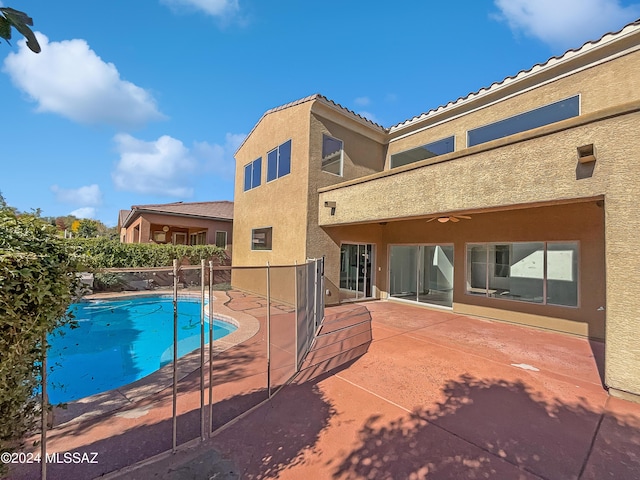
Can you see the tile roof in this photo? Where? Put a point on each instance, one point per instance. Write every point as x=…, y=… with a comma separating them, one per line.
x=590, y=45
x=222, y=210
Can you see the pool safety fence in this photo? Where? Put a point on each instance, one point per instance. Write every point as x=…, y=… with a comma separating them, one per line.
x=203, y=383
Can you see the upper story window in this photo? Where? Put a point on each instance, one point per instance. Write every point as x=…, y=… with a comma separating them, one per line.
x=433, y=149
x=252, y=174
x=539, y=117
x=279, y=161
x=331, y=155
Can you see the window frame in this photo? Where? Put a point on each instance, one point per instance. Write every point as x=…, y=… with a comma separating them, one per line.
x=268, y=239
x=545, y=278
x=278, y=173
x=521, y=115
x=424, y=147
x=252, y=174
x=341, y=160
x=226, y=236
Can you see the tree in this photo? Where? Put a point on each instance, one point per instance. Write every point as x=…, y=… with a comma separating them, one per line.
x=20, y=21
x=87, y=228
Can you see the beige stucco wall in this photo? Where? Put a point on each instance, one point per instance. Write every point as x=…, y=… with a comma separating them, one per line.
x=531, y=170
x=280, y=204
x=600, y=85
x=364, y=153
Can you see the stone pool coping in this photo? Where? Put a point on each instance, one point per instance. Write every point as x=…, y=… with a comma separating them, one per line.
x=105, y=402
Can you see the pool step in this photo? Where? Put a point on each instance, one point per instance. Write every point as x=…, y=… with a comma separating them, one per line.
x=344, y=336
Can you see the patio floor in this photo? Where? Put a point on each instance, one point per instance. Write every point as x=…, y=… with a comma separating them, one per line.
x=437, y=395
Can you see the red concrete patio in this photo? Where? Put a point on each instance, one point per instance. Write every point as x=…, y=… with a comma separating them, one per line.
x=437, y=395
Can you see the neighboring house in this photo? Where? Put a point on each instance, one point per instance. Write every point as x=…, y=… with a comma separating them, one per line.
x=180, y=223
x=518, y=202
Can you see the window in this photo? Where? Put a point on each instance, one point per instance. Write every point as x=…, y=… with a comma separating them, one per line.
x=279, y=161
x=331, y=155
x=261, y=239
x=433, y=149
x=546, y=115
x=221, y=240
x=159, y=237
x=252, y=174
x=536, y=272
x=198, y=238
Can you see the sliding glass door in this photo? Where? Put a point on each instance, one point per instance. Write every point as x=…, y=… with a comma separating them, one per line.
x=422, y=273
x=356, y=271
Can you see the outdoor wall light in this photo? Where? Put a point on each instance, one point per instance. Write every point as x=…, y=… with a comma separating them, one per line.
x=330, y=204
x=587, y=153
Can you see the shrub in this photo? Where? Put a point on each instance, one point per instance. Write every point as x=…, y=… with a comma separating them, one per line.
x=37, y=281
x=97, y=253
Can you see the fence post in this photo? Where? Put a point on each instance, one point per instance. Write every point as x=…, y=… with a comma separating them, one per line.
x=174, y=443
x=202, y=347
x=43, y=432
x=210, y=429
x=295, y=305
x=315, y=296
x=268, y=331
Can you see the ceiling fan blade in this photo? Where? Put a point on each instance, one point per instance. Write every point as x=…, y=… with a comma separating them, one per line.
x=464, y=217
x=432, y=219
x=454, y=219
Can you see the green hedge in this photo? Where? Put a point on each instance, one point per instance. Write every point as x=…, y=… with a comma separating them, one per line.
x=37, y=281
x=96, y=253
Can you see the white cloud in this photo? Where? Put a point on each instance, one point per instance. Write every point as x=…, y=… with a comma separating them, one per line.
x=362, y=101
x=215, y=8
x=566, y=23
x=84, y=212
x=88, y=195
x=69, y=79
x=219, y=158
x=164, y=166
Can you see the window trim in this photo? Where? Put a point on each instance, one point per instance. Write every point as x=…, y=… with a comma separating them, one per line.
x=226, y=236
x=578, y=96
x=544, y=303
x=252, y=164
x=341, y=174
x=453, y=137
x=277, y=150
x=270, y=246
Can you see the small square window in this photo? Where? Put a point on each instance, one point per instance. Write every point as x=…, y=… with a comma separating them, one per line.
x=221, y=240
x=261, y=238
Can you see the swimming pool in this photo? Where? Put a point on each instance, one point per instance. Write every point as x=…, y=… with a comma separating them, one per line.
x=120, y=341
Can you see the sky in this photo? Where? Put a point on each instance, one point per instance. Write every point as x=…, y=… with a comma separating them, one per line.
x=146, y=101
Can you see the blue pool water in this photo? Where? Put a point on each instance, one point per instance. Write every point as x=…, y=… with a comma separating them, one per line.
x=120, y=341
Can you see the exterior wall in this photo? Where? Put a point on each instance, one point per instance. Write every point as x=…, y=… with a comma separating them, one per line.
x=280, y=204
x=150, y=222
x=533, y=168
x=603, y=85
x=363, y=154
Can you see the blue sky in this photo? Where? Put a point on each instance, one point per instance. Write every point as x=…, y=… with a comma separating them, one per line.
x=145, y=101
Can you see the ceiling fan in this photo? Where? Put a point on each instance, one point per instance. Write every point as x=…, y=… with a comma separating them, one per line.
x=449, y=218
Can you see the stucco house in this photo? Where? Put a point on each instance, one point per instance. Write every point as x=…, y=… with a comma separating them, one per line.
x=180, y=223
x=517, y=202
